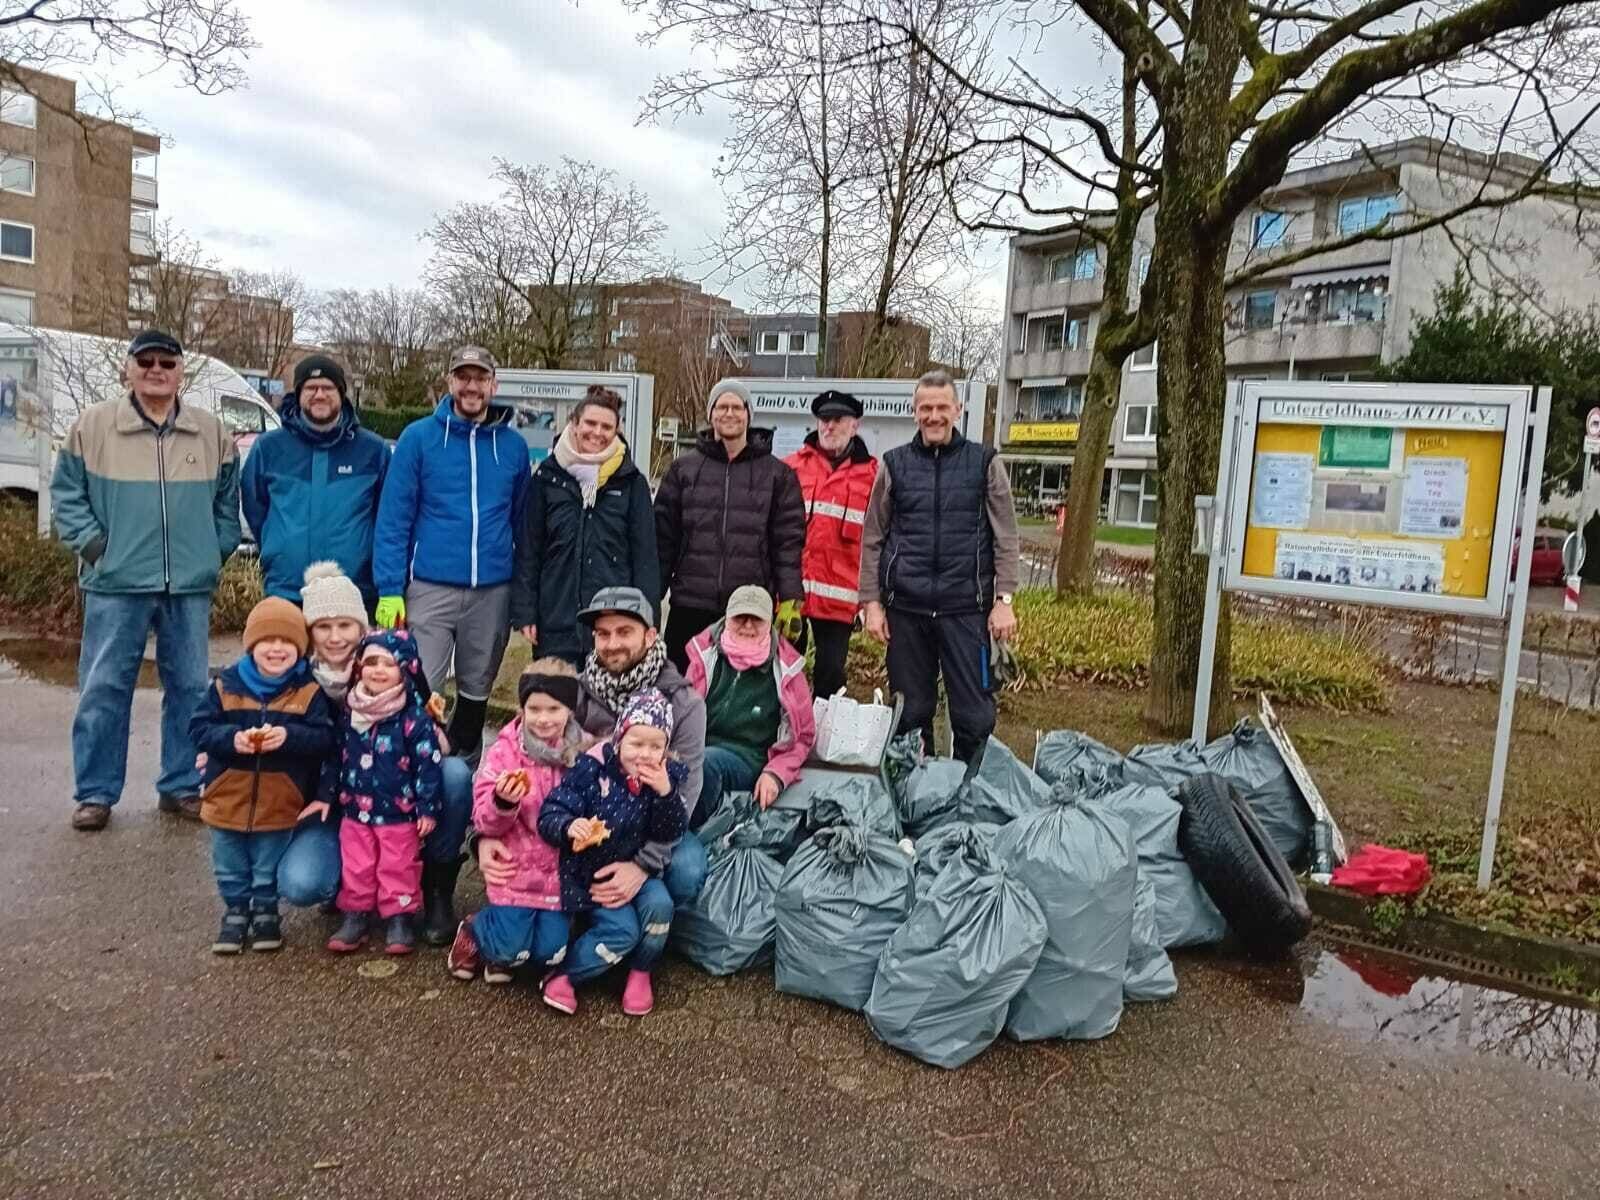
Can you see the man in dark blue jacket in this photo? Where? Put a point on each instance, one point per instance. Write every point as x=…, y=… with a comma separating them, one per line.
x=444, y=549
x=311, y=488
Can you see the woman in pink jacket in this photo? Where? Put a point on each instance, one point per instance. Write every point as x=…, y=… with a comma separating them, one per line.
x=759, y=725
x=523, y=922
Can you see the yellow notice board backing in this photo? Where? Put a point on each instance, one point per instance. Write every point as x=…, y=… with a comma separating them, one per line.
x=1388, y=494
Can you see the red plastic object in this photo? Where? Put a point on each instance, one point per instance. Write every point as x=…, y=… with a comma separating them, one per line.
x=1382, y=871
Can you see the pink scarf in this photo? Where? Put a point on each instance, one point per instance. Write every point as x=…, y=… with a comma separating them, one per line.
x=742, y=654
x=366, y=709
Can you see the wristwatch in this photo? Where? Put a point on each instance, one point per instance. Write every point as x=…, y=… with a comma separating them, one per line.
x=1004, y=598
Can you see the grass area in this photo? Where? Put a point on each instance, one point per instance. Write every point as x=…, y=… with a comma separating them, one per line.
x=1121, y=535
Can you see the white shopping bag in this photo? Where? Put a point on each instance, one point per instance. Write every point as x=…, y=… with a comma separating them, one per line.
x=852, y=734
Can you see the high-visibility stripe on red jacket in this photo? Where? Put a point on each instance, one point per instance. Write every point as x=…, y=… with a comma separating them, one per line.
x=836, y=508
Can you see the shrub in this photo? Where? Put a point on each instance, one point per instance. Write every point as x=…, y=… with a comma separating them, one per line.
x=38, y=576
x=388, y=422
x=238, y=591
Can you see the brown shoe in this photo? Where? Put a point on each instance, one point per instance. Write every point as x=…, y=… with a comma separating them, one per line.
x=89, y=817
x=187, y=807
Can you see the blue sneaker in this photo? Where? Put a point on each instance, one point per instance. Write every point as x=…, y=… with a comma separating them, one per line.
x=265, y=931
x=230, y=938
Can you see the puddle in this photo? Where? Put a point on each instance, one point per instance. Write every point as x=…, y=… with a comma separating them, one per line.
x=1393, y=1000
x=46, y=660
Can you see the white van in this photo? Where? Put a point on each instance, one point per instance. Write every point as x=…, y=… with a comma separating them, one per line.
x=49, y=376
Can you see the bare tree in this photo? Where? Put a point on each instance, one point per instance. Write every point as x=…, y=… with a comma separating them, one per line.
x=390, y=338
x=966, y=335
x=549, y=244
x=259, y=325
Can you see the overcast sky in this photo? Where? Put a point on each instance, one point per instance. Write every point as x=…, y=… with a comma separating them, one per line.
x=362, y=120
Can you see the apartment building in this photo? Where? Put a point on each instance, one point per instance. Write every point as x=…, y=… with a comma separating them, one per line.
x=1332, y=316
x=78, y=198
x=784, y=346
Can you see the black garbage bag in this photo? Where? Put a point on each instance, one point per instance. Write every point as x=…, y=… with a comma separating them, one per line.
x=901, y=757
x=1247, y=758
x=931, y=795
x=946, y=979
x=1078, y=860
x=779, y=831
x=842, y=897
x=1164, y=763
x=1150, y=973
x=732, y=923
x=1185, y=915
x=938, y=846
x=828, y=795
x=1003, y=789
x=1091, y=768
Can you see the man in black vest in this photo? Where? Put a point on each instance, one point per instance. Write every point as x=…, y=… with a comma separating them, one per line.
x=939, y=564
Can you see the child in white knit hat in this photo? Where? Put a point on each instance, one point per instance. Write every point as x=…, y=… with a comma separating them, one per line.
x=338, y=619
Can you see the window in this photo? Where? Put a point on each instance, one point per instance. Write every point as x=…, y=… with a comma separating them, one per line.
x=1144, y=358
x=16, y=241
x=16, y=174
x=1259, y=309
x=625, y=362
x=144, y=166
x=582, y=307
x=1346, y=376
x=1081, y=264
x=1144, y=268
x=1136, y=498
x=1365, y=212
x=18, y=108
x=240, y=416
x=797, y=343
x=628, y=327
x=16, y=307
x=1268, y=230
x=1139, y=425
x=770, y=343
x=1352, y=302
x=142, y=222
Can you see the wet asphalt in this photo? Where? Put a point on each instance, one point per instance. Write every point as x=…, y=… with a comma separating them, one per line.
x=133, y=1063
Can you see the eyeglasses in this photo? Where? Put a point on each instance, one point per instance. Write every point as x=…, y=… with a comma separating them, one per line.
x=148, y=361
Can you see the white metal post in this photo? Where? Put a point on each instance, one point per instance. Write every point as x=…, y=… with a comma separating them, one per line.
x=1540, y=418
x=1216, y=545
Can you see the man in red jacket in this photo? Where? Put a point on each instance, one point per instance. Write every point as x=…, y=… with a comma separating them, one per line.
x=836, y=474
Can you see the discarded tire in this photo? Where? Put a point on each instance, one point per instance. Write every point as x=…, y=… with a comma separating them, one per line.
x=1239, y=867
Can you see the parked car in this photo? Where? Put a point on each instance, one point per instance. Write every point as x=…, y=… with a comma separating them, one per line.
x=1546, y=556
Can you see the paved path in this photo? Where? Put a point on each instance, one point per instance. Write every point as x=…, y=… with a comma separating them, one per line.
x=134, y=1064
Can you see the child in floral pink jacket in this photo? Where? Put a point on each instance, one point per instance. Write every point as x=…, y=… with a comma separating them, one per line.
x=523, y=922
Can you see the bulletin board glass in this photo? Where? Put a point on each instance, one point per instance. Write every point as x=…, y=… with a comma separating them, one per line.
x=1392, y=494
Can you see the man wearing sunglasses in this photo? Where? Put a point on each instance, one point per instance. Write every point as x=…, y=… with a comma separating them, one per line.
x=146, y=494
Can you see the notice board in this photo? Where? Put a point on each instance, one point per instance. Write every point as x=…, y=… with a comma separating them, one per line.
x=1392, y=494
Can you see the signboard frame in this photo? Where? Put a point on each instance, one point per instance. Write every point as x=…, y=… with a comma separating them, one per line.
x=1400, y=407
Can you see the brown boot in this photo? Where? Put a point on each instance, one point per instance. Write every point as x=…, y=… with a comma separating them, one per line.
x=87, y=818
x=187, y=807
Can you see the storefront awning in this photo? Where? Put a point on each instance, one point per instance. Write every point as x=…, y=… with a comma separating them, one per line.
x=1347, y=275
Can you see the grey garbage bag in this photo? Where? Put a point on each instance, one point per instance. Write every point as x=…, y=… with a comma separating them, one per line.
x=931, y=795
x=1185, y=915
x=732, y=923
x=860, y=797
x=1003, y=789
x=901, y=757
x=842, y=897
x=1150, y=974
x=939, y=845
x=1165, y=763
x=1248, y=759
x=947, y=977
x=1090, y=767
x=1079, y=863
x=778, y=831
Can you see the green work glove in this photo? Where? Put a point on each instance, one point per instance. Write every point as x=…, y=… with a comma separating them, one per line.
x=391, y=611
x=789, y=619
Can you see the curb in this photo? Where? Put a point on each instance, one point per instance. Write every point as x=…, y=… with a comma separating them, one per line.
x=1550, y=965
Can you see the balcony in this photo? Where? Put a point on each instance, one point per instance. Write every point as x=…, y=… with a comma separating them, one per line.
x=1048, y=364
x=1041, y=294
x=144, y=190
x=1320, y=341
x=1374, y=254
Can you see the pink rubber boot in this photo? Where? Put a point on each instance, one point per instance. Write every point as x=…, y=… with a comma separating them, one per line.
x=637, y=996
x=558, y=994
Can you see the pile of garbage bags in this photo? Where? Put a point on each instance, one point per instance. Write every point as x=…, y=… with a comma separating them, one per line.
x=950, y=907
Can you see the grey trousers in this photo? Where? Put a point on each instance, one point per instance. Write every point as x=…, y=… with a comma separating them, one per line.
x=469, y=625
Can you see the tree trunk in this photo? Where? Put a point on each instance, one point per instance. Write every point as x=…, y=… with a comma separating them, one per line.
x=1075, y=560
x=1191, y=381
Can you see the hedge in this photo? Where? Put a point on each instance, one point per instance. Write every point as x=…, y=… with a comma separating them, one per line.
x=388, y=422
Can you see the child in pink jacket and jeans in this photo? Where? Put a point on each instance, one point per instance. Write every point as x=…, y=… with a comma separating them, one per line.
x=523, y=922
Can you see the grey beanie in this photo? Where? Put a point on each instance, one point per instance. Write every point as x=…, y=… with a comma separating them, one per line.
x=727, y=386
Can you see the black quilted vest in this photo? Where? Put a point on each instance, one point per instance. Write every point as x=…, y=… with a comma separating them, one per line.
x=938, y=556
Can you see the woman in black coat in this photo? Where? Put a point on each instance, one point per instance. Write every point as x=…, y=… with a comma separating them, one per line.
x=588, y=525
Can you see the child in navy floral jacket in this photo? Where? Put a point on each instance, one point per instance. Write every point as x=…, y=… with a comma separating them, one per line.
x=624, y=793
x=390, y=786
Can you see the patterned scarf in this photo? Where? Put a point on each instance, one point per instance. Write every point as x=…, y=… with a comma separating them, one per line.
x=590, y=470
x=367, y=709
x=613, y=690
x=573, y=743
x=333, y=680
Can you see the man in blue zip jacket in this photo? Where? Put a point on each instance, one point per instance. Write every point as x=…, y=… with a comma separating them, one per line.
x=311, y=488
x=444, y=549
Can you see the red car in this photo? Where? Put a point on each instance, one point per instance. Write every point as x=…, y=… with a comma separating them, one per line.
x=1546, y=556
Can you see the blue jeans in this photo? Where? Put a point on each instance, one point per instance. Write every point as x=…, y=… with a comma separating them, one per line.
x=114, y=632
x=309, y=872
x=246, y=867
x=686, y=873
x=725, y=772
x=512, y=936
x=636, y=932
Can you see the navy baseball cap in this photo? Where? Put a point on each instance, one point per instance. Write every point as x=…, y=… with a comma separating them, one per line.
x=154, y=339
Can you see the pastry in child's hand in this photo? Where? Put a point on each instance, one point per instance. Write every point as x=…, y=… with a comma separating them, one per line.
x=436, y=707
x=597, y=834
x=257, y=737
x=514, y=778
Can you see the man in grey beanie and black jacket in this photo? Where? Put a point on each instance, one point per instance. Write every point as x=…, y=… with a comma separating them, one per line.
x=728, y=513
